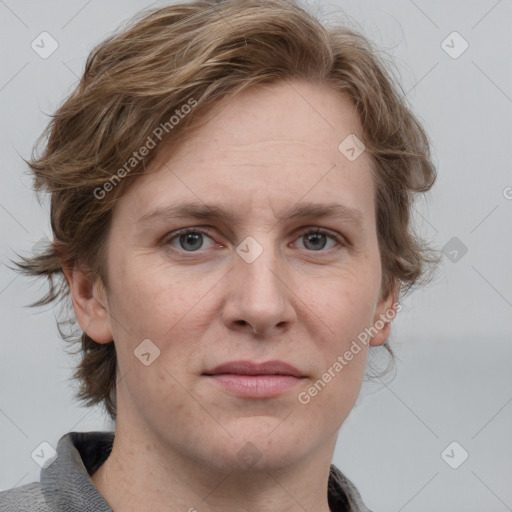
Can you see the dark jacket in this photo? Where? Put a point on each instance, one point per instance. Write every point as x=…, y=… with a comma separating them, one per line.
x=66, y=485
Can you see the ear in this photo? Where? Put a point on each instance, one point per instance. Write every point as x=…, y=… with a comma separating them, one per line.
x=90, y=304
x=386, y=310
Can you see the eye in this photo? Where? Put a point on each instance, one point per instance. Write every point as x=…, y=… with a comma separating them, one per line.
x=192, y=239
x=316, y=239
x=189, y=239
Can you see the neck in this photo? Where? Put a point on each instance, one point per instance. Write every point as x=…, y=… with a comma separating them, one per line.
x=141, y=476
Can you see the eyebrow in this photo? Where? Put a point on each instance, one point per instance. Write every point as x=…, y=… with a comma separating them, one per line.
x=192, y=210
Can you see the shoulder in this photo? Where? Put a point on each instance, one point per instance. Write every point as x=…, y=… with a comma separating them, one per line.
x=26, y=498
x=343, y=493
x=65, y=483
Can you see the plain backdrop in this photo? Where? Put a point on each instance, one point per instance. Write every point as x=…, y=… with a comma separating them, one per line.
x=453, y=338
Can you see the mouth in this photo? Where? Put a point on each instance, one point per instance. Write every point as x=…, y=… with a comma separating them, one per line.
x=255, y=380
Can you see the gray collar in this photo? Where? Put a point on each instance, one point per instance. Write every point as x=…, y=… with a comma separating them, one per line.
x=66, y=485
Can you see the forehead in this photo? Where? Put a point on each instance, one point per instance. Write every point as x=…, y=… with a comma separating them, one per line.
x=294, y=113
x=263, y=152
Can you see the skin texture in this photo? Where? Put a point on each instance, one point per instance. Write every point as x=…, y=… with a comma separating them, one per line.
x=178, y=434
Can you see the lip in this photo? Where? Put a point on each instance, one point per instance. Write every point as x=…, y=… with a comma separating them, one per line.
x=255, y=380
x=249, y=368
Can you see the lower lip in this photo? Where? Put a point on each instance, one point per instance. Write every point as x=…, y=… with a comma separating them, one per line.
x=256, y=386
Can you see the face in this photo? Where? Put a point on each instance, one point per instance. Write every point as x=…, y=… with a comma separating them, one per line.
x=251, y=308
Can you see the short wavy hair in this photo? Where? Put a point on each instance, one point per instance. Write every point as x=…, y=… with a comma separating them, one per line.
x=206, y=52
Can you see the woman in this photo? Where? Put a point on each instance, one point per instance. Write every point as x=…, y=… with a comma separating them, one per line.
x=283, y=154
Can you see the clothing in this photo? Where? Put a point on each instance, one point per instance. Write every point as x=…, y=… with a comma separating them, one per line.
x=66, y=485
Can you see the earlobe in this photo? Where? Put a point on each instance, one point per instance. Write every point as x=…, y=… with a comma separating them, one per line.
x=90, y=304
x=386, y=311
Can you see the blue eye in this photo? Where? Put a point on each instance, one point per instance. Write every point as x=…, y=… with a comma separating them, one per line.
x=316, y=238
x=192, y=239
x=189, y=239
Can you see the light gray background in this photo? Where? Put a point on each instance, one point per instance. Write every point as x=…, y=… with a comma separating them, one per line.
x=453, y=339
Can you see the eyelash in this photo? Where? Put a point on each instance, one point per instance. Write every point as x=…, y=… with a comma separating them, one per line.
x=340, y=240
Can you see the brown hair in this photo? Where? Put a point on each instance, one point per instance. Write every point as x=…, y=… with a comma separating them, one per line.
x=200, y=54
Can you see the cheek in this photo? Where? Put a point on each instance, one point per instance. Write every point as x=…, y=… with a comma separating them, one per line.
x=333, y=391
x=330, y=399
x=150, y=300
x=141, y=309
x=150, y=303
x=346, y=307
x=345, y=302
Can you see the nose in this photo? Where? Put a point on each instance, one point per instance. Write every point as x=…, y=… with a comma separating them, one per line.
x=259, y=298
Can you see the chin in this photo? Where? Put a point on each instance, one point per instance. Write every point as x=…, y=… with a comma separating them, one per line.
x=261, y=446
